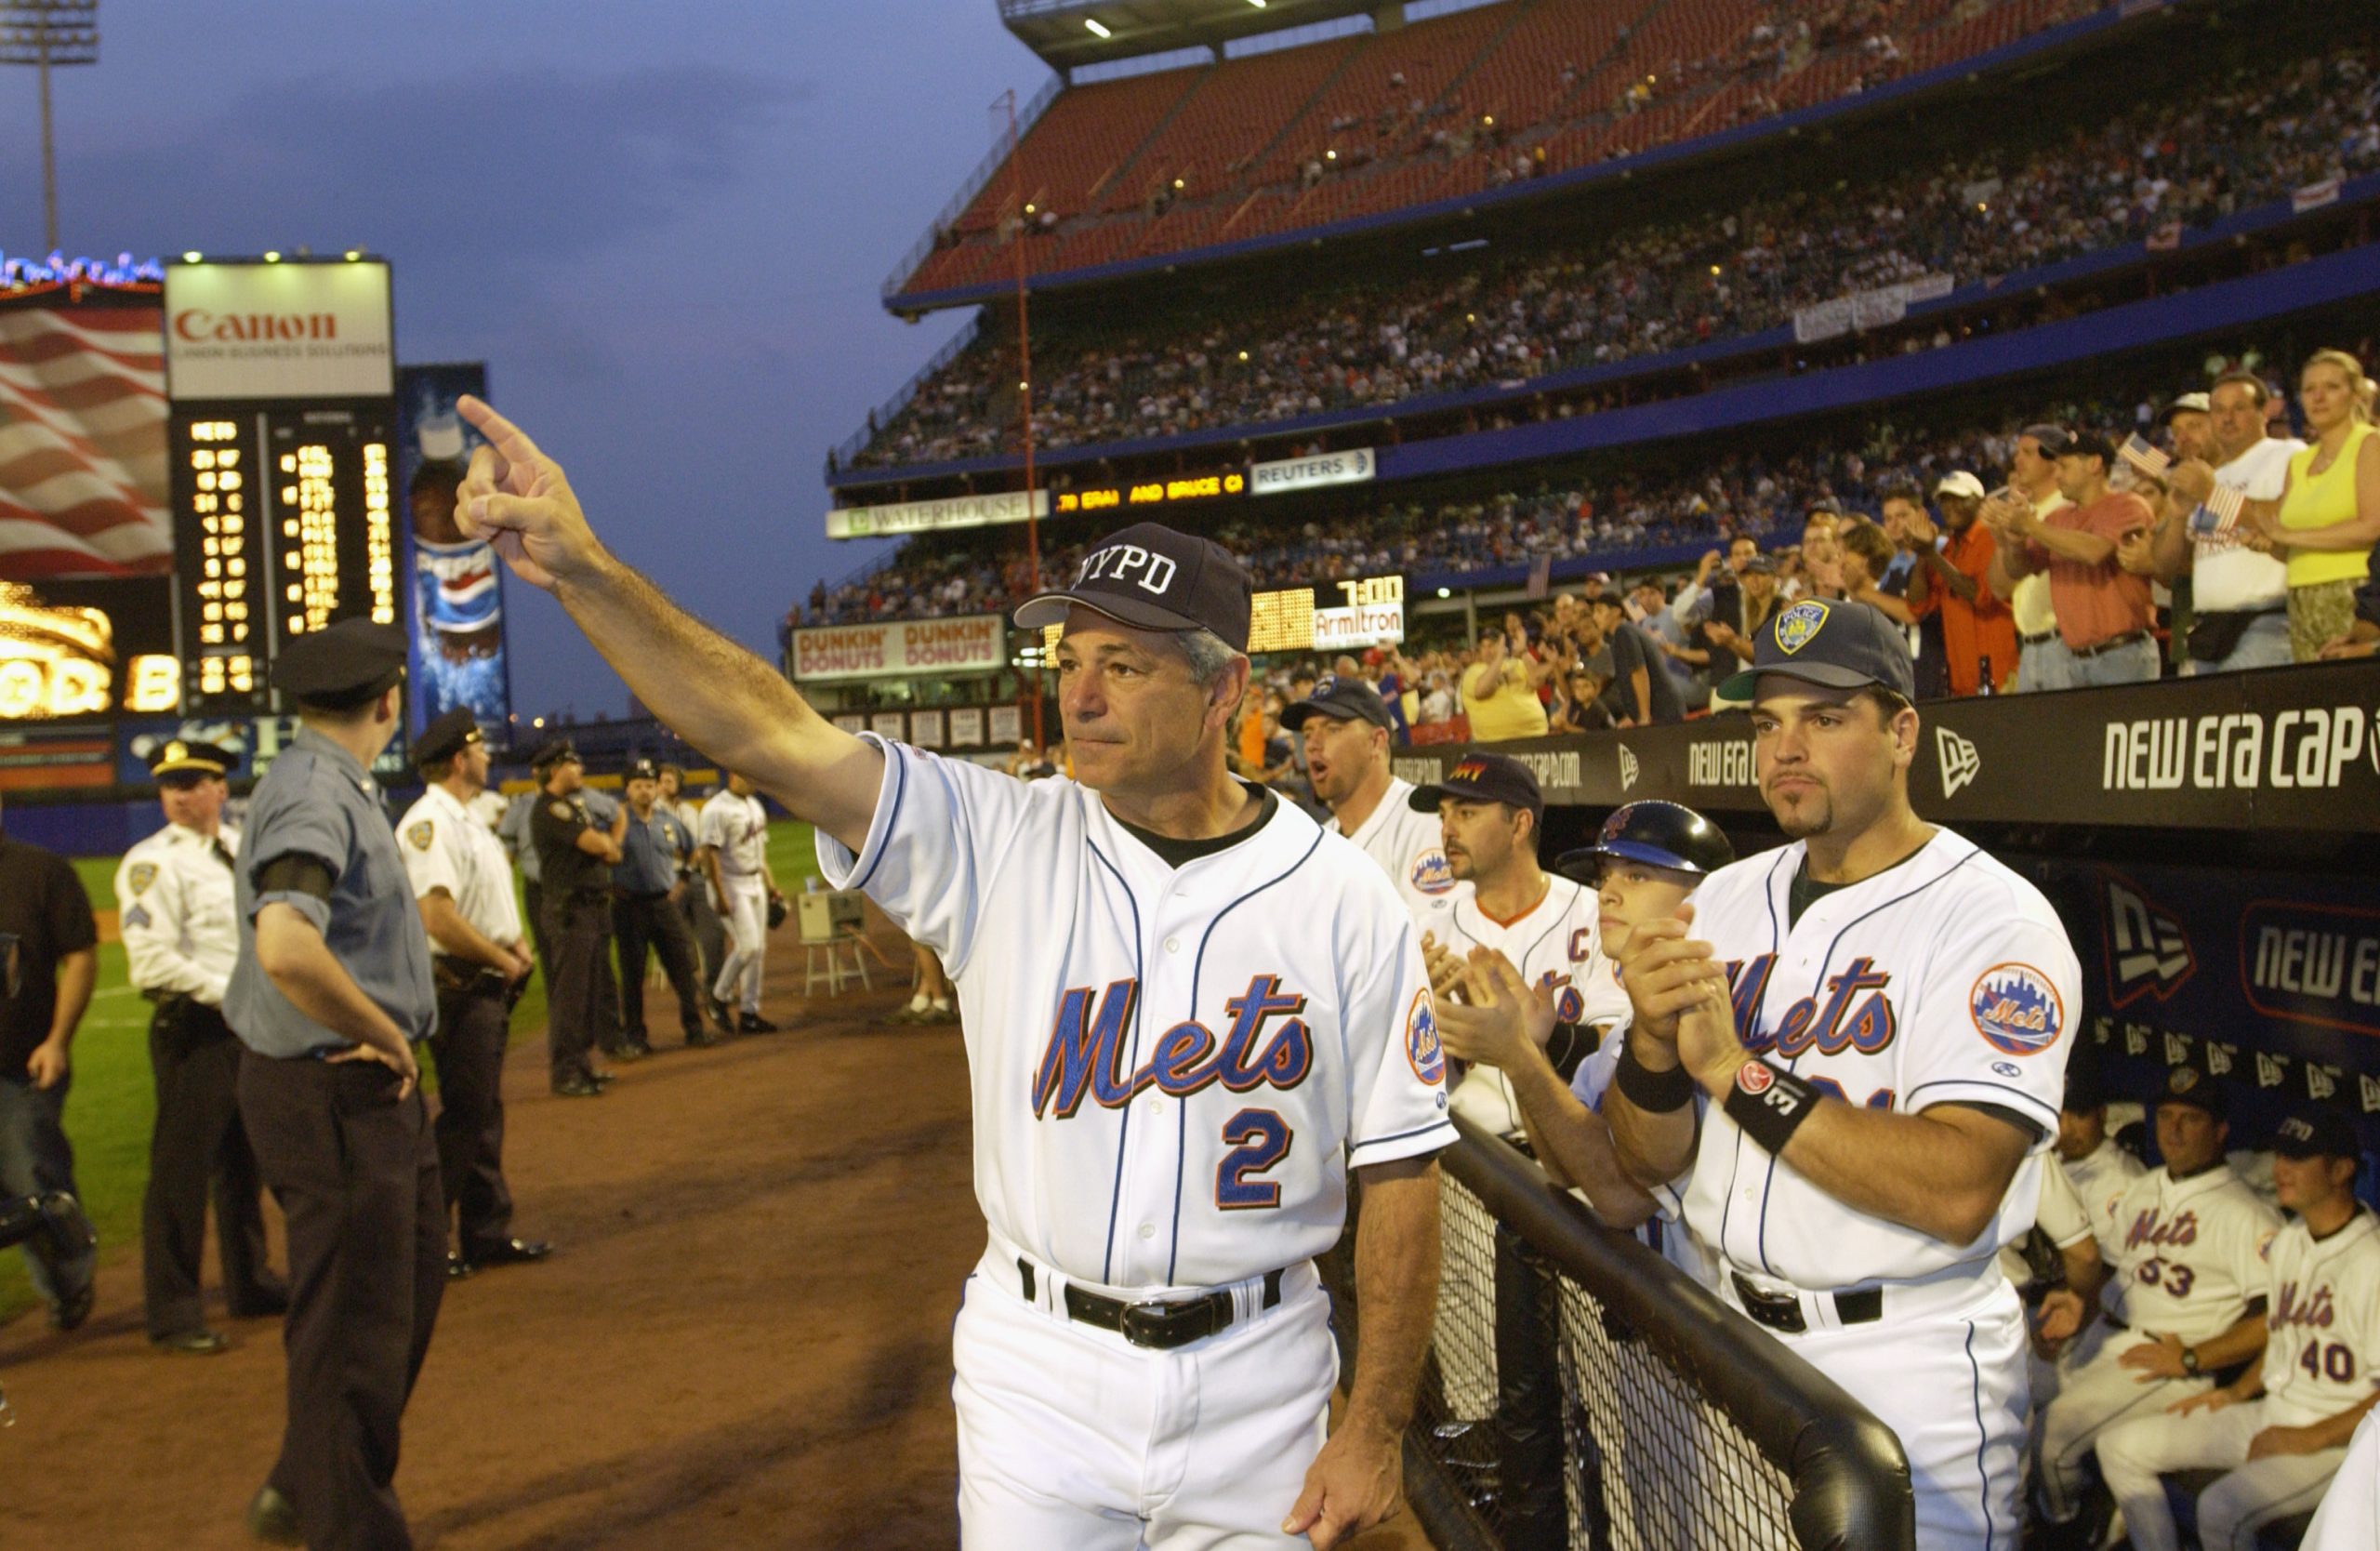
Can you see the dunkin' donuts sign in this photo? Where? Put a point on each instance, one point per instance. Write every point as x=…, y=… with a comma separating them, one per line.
x=976, y=644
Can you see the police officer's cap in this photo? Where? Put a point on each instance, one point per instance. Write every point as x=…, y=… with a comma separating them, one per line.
x=560, y=751
x=643, y=770
x=189, y=761
x=342, y=666
x=447, y=737
x=1658, y=834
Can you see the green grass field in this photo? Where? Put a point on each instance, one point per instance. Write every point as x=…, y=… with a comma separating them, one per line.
x=112, y=1104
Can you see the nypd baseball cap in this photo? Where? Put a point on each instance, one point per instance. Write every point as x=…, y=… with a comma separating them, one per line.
x=1150, y=577
x=2316, y=1133
x=1341, y=700
x=1484, y=778
x=1830, y=642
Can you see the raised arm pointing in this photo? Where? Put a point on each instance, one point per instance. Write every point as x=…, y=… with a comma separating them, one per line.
x=711, y=692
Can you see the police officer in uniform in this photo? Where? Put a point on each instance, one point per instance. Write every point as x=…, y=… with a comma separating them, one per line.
x=331, y=993
x=650, y=882
x=176, y=913
x=711, y=936
x=583, y=1001
x=512, y=829
x=464, y=886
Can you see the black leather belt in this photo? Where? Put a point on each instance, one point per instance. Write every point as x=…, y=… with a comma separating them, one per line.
x=2042, y=639
x=1782, y=1311
x=2110, y=644
x=1159, y=1325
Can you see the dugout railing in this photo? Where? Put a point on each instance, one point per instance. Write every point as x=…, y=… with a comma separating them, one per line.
x=1583, y=1393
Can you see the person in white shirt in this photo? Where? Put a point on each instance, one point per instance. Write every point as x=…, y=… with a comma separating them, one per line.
x=462, y=881
x=2280, y=1431
x=2239, y=593
x=174, y=910
x=1346, y=729
x=734, y=836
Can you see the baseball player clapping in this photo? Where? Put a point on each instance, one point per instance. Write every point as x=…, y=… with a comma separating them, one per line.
x=1188, y=1013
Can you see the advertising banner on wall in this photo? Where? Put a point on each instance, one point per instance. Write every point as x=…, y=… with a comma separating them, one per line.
x=988, y=510
x=278, y=331
x=458, y=650
x=971, y=644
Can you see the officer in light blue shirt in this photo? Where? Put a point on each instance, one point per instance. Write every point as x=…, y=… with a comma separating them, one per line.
x=648, y=887
x=331, y=992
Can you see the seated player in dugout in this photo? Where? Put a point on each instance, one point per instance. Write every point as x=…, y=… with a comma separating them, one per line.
x=1648, y=857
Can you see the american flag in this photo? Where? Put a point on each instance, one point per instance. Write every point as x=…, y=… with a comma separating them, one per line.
x=2148, y=460
x=82, y=444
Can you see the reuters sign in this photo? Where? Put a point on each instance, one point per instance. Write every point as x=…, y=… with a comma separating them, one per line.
x=278, y=331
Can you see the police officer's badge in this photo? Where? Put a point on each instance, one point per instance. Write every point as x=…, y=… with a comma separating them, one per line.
x=561, y=809
x=141, y=876
x=422, y=834
x=1798, y=624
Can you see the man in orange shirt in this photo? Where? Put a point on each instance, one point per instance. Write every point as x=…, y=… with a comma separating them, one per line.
x=2104, y=611
x=1955, y=562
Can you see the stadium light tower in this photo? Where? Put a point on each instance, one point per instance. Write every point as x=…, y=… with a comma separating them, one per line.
x=45, y=33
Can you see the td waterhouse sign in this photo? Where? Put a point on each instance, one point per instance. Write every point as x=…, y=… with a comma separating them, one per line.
x=976, y=644
x=259, y=330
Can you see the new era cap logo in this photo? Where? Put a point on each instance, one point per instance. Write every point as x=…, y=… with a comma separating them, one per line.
x=2148, y=950
x=1958, y=759
x=1118, y=562
x=1628, y=770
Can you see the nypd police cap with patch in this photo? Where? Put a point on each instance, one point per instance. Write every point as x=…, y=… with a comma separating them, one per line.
x=2189, y=1085
x=342, y=666
x=447, y=737
x=1154, y=579
x=178, y=761
x=1832, y=644
x=559, y=751
x=2316, y=1132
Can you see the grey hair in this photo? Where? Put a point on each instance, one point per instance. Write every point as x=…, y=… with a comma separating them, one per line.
x=1210, y=657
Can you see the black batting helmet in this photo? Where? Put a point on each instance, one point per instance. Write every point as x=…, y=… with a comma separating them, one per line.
x=1658, y=834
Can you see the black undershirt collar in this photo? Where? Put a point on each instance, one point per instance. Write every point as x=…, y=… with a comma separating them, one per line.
x=1178, y=853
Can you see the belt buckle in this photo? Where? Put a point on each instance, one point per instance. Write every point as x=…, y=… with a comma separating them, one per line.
x=1147, y=1324
x=1778, y=1311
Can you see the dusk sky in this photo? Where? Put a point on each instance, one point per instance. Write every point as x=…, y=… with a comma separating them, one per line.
x=663, y=227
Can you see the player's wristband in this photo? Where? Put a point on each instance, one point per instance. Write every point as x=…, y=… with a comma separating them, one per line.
x=1654, y=1093
x=1769, y=1103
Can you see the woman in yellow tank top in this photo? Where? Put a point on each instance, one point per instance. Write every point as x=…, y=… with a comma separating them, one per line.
x=2328, y=516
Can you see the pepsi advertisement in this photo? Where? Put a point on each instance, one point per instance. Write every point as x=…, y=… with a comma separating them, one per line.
x=457, y=657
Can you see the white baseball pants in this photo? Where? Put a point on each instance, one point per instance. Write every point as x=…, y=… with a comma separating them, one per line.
x=2090, y=1399
x=1945, y=1369
x=2133, y=1454
x=747, y=917
x=1070, y=1436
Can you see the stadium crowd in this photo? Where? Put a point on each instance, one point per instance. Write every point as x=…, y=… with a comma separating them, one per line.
x=1909, y=524
x=2265, y=130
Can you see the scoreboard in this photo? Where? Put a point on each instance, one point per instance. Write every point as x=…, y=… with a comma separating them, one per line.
x=1327, y=617
x=282, y=379
x=282, y=525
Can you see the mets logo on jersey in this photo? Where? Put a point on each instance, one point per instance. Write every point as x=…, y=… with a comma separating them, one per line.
x=1798, y=624
x=1421, y=1048
x=2016, y=1009
x=141, y=876
x=421, y=834
x=1430, y=872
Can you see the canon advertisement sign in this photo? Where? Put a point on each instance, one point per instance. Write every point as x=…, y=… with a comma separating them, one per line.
x=283, y=330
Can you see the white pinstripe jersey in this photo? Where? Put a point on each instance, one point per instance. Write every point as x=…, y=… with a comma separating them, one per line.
x=1947, y=978
x=2322, y=1321
x=1173, y=1068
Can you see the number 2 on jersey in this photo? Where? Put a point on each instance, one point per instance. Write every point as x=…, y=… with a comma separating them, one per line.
x=1259, y=1139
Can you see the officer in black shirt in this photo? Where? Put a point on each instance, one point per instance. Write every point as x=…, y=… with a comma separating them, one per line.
x=575, y=858
x=330, y=994
x=47, y=942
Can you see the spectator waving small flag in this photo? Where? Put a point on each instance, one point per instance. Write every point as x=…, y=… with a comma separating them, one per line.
x=2141, y=455
x=2225, y=502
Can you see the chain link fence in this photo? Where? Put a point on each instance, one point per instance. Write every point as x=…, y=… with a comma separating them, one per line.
x=1582, y=1393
